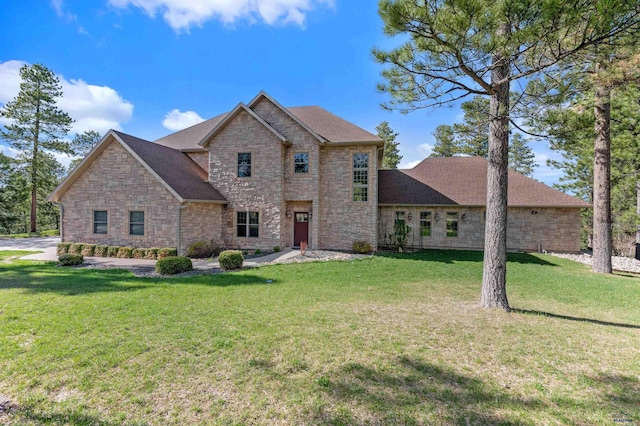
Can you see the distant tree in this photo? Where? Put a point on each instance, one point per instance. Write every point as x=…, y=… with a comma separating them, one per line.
x=8, y=215
x=36, y=124
x=392, y=155
x=82, y=144
x=473, y=133
x=521, y=157
x=446, y=145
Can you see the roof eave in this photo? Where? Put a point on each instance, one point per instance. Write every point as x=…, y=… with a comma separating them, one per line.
x=186, y=200
x=352, y=143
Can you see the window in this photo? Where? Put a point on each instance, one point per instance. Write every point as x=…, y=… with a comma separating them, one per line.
x=248, y=224
x=301, y=162
x=244, y=164
x=99, y=221
x=425, y=224
x=136, y=223
x=360, y=177
x=452, y=224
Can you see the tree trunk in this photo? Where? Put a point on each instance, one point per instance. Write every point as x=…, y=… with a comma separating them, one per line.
x=638, y=226
x=494, y=276
x=602, y=181
x=34, y=171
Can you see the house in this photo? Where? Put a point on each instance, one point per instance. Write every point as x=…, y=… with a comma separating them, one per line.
x=263, y=175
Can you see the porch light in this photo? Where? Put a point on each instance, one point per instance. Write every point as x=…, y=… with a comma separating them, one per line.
x=310, y=215
x=464, y=217
x=410, y=216
x=288, y=213
x=436, y=217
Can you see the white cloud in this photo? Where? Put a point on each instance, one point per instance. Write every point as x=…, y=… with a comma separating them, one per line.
x=181, y=14
x=425, y=149
x=58, y=6
x=98, y=108
x=176, y=120
x=409, y=165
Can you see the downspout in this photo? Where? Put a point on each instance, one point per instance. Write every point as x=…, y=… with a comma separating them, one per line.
x=178, y=233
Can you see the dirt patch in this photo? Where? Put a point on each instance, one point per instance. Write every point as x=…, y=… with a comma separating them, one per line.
x=7, y=406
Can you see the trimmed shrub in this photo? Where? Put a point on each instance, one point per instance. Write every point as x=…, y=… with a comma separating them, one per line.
x=258, y=252
x=231, y=259
x=362, y=247
x=100, y=251
x=171, y=265
x=152, y=253
x=139, y=253
x=62, y=248
x=112, y=251
x=76, y=248
x=166, y=252
x=70, y=259
x=88, y=250
x=203, y=249
x=276, y=249
x=125, y=252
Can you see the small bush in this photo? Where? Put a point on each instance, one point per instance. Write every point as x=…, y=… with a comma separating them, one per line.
x=112, y=251
x=152, y=253
x=362, y=247
x=62, y=248
x=202, y=249
x=258, y=252
x=125, y=252
x=231, y=259
x=166, y=252
x=276, y=249
x=76, y=248
x=171, y=265
x=70, y=259
x=88, y=250
x=245, y=252
x=100, y=251
x=139, y=253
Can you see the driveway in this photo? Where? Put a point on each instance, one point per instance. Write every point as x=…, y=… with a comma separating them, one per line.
x=47, y=245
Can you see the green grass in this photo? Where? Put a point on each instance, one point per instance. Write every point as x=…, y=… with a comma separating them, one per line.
x=48, y=233
x=396, y=339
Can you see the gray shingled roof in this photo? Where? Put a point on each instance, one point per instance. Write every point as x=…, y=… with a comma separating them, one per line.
x=175, y=168
x=463, y=181
x=331, y=127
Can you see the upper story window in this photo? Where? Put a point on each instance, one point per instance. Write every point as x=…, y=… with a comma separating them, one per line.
x=247, y=224
x=301, y=162
x=244, y=164
x=136, y=223
x=99, y=221
x=452, y=224
x=425, y=224
x=360, y=177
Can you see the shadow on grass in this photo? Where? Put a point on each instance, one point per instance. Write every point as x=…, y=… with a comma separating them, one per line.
x=570, y=318
x=451, y=256
x=410, y=392
x=24, y=415
x=43, y=278
x=417, y=392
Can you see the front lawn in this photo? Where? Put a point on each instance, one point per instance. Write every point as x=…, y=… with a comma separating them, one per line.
x=396, y=339
x=47, y=233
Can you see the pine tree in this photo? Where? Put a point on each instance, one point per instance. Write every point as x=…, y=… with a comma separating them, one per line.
x=82, y=144
x=36, y=124
x=455, y=48
x=446, y=145
x=392, y=155
x=473, y=133
x=521, y=157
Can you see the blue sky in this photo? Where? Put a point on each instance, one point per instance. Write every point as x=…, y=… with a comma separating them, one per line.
x=150, y=67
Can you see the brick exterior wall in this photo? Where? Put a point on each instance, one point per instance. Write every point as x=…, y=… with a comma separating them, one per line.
x=342, y=220
x=262, y=192
x=555, y=229
x=201, y=159
x=118, y=183
x=201, y=221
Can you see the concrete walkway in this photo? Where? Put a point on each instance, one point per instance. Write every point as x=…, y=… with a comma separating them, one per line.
x=47, y=245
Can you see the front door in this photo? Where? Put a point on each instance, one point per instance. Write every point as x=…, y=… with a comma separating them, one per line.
x=300, y=228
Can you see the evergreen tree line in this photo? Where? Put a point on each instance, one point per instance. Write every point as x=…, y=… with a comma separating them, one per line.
x=38, y=130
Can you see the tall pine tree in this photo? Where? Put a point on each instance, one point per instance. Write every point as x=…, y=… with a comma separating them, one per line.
x=392, y=155
x=36, y=124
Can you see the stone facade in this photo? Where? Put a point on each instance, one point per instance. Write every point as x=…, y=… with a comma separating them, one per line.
x=550, y=229
x=342, y=220
x=200, y=221
x=201, y=159
x=118, y=183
